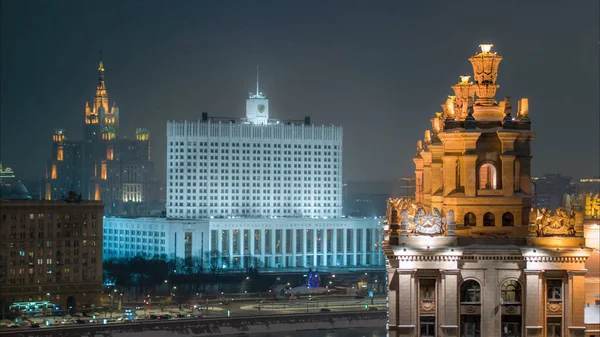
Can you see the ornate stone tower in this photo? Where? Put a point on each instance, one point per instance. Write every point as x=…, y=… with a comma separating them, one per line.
x=469, y=257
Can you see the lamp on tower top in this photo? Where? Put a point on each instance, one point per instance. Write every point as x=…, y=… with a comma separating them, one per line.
x=485, y=70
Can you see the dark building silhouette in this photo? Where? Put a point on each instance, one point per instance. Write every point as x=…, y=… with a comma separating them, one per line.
x=102, y=166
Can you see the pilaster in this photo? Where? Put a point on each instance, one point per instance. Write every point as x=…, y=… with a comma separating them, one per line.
x=426, y=178
x=448, y=308
x=354, y=246
x=508, y=170
x=345, y=247
x=262, y=246
x=574, y=317
x=449, y=181
x=230, y=248
x=363, y=259
x=252, y=247
x=304, y=247
x=324, y=247
x=335, y=247
x=294, y=245
x=534, y=303
x=284, y=247
x=437, y=181
x=418, y=179
x=219, y=246
x=314, y=247
x=407, y=323
x=273, y=247
x=525, y=174
x=470, y=174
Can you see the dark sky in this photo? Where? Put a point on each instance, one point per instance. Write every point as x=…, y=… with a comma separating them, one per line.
x=378, y=68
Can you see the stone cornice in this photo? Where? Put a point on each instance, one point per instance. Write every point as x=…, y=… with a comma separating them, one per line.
x=420, y=258
x=563, y=259
x=503, y=258
x=581, y=272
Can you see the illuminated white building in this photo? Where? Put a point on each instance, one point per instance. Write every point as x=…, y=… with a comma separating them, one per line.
x=253, y=167
x=243, y=243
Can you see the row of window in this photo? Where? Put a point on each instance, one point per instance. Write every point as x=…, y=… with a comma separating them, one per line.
x=49, y=216
x=254, y=145
x=256, y=152
x=126, y=246
x=133, y=232
x=489, y=219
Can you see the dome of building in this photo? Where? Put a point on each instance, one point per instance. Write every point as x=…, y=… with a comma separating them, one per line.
x=14, y=191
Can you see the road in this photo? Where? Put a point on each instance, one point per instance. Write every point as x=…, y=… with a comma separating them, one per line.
x=78, y=329
x=235, y=308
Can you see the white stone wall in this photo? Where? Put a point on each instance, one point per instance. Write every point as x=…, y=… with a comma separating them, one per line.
x=241, y=243
x=253, y=170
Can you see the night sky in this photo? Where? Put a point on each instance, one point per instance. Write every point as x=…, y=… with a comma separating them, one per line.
x=378, y=68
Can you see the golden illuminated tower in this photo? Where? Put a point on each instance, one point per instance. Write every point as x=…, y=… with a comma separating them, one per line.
x=469, y=257
x=102, y=166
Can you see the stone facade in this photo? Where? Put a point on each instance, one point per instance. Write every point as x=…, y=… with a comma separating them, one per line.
x=469, y=256
x=51, y=250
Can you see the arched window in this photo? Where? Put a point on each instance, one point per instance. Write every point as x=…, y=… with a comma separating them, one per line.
x=511, y=291
x=470, y=219
x=508, y=219
x=487, y=177
x=470, y=292
x=489, y=219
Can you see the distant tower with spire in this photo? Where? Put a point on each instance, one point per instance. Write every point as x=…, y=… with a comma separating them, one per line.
x=103, y=166
x=257, y=104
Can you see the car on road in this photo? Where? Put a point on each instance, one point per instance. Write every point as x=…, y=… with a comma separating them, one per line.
x=325, y=310
x=34, y=325
x=14, y=325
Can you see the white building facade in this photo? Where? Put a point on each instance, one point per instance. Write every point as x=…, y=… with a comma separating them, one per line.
x=244, y=243
x=253, y=167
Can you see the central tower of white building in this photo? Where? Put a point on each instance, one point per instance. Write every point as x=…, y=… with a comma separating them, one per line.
x=253, y=167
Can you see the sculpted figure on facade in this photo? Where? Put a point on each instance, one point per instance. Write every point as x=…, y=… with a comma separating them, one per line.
x=562, y=223
x=426, y=223
x=395, y=207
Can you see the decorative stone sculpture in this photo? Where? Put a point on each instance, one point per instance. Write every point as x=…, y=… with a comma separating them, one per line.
x=485, y=71
x=463, y=91
x=399, y=204
x=523, y=107
x=427, y=137
x=449, y=109
x=429, y=224
x=562, y=223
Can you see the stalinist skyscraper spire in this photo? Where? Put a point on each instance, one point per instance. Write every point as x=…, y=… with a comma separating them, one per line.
x=103, y=166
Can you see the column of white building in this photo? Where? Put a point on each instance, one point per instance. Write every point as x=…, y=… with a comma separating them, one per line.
x=231, y=247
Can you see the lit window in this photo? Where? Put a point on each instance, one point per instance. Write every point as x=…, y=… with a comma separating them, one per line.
x=487, y=177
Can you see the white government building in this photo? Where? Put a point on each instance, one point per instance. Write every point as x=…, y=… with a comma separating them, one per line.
x=255, y=166
x=243, y=243
x=259, y=191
